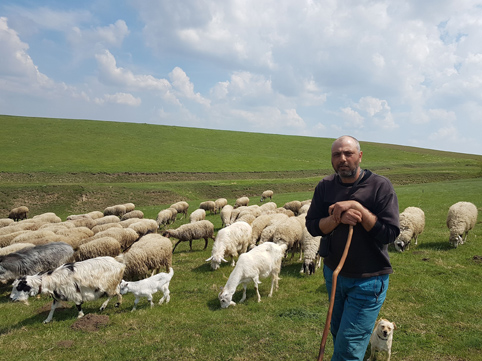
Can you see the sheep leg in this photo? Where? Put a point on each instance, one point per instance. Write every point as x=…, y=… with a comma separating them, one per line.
x=176, y=245
x=51, y=313
x=79, y=308
x=206, y=242
x=190, y=244
x=149, y=298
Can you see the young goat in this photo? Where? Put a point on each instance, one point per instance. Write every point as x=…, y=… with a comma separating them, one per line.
x=148, y=286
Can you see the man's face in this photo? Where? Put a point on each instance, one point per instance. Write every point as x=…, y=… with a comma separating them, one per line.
x=345, y=158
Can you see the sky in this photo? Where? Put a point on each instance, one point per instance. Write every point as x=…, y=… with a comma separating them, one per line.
x=387, y=71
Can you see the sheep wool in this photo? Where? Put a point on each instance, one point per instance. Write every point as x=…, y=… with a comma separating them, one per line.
x=242, y=201
x=230, y=242
x=461, y=218
x=99, y=247
x=412, y=224
x=198, y=215
x=191, y=231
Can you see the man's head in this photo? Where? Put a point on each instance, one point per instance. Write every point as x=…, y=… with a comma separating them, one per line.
x=346, y=157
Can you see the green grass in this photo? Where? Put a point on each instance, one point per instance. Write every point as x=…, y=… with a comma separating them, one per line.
x=74, y=166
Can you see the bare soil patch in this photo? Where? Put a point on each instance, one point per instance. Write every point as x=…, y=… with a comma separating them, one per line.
x=90, y=322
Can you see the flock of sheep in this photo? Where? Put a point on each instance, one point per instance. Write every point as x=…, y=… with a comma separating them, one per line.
x=66, y=259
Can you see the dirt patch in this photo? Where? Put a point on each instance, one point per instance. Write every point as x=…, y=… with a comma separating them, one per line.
x=90, y=322
x=65, y=344
x=477, y=259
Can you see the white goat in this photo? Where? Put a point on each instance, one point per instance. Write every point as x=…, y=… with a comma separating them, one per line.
x=77, y=282
x=148, y=286
x=261, y=262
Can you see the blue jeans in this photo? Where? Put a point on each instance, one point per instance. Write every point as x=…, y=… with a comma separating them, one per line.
x=355, y=311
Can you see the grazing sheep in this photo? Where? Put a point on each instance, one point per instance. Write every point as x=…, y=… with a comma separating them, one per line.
x=190, y=231
x=99, y=247
x=14, y=248
x=412, y=223
x=77, y=282
x=93, y=215
x=133, y=214
x=264, y=221
x=144, y=226
x=242, y=201
x=18, y=213
x=461, y=218
x=181, y=208
x=289, y=232
x=260, y=262
x=266, y=194
x=118, y=210
x=125, y=236
x=6, y=239
x=129, y=207
x=32, y=260
x=293, y=206
x=198, y=215
x=106, y=220
x=165, y=216
x=309, y=248
x=305, y=208
x=208, y=206
x=48, y=217
x=220, y=203
x=230, y=241
x=226, y=215
x=147, y=256
x=149, y=286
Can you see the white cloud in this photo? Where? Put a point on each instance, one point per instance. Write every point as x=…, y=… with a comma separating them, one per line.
x=119, y=98
x=182, y=84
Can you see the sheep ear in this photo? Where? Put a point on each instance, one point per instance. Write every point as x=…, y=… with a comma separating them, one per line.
x=210, y=258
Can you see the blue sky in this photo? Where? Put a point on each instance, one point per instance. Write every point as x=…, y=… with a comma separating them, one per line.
x=399, y=72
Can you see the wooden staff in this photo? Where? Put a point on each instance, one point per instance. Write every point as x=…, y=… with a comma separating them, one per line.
x=333, y=290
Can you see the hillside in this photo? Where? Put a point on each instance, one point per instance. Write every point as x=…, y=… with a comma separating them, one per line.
x=75, y=165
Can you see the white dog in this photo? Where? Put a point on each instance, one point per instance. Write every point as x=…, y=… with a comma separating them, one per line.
x=381, y=340
x=148, y=286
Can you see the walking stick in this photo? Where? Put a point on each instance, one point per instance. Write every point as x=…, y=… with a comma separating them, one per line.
x=332, y=297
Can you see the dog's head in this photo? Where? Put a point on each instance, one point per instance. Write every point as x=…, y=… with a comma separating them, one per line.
x=384, y=328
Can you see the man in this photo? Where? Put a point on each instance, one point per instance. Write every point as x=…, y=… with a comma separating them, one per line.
x=368, y=202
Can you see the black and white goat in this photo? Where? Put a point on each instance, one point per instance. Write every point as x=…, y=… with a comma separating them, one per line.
x=76, y=282
x=149, y=286
x=29, y=261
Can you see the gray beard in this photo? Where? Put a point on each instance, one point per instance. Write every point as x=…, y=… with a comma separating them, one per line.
x=348, y=174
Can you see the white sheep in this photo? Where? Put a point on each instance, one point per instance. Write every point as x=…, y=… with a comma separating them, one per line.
x=241, y=201
x=293, y=206
x=181, y=208
x=105, y=220
x=268, y=207
x=129, y=207
x=225, y=214
x=208, y=206
x=77, y=282
x=260, y=262
x=289, y=232
x=125, y=236
x=6, y=222
x=118, y=210
x=461, y=218
x=266, y=194
x=103, y=227
x=220, y=203
x=191, y=231
x=149, y=286
x=230, y=241
x=14, y=248
x=133, y=214
x=198, y=215
x=309, y=248
x=144, y=226
x=147, y=257
x=412, y=224
x=99, y=247
x=164, y=217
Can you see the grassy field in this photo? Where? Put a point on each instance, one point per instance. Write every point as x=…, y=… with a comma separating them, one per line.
x=74, y=166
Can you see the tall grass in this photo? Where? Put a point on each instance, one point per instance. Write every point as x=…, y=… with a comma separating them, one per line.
x=434, y=295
